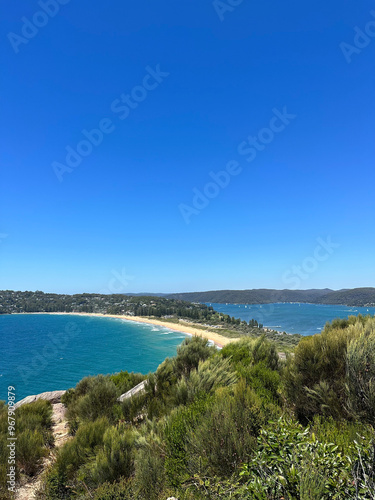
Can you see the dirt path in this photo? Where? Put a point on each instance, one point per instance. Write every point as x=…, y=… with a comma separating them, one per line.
x=61, y=435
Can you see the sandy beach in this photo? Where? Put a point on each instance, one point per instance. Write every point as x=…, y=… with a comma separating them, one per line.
x=182, y=327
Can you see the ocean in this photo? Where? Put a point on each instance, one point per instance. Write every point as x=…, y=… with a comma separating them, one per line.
x=42, y=352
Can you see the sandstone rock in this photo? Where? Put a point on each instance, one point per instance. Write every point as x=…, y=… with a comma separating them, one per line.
x=135, y=390
x=53, y=397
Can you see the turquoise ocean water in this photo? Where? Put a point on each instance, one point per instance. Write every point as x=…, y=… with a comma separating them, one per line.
x=41, y=352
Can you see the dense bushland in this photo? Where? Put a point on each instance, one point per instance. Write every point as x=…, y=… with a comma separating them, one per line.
x=236, y=423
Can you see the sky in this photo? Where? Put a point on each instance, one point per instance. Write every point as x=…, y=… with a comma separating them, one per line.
x=186, y=146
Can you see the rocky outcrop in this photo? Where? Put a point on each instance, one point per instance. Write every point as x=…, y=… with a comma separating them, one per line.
x=53, y=397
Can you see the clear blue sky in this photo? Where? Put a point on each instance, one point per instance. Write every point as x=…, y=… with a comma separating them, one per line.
x=124, y=207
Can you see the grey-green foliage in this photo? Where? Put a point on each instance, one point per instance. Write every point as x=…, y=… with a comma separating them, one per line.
x=315, y=377
x=125, y=380
x=209, y=375
x=114, y=491
x=34, y=437
x=226, y=434
x=248, y=352
x=160, y=393
x=30, y=451
x=149, y=467
x=360, y=363
x=312, y=483
x=190, y=353
x=81, y=448
x=33, y=424
x=94, y=397
x=114, y=459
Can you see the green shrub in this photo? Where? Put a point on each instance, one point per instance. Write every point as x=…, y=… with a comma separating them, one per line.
x=364, y=471
x=4, y=451
x=226, y=435
x=4, y=454
x=190, y=353
x=37, y=415
x=115, y=491
x=94, y=397
x=33, y=430
x=264, y=381
x=149, y=470
x=342, y=324
x=332, y=374
x=125, y=381
x=288, y=455
x=311, y=484
x=79, y=450
x=30, y=451
x=114, y=459
x=247, y=352
x=315, y=377
x=213, y=373
x=33, y=423
x=134, y=407
x=342, y=433
x=361, y=370
x=177, y=425
x=165, y=378
x=160, y=393
x=53, y=487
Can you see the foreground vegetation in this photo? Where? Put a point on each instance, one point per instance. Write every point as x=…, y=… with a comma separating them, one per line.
x=236, y=423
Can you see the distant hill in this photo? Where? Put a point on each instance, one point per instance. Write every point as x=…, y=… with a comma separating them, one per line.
x=256, y=296
x=353, y=297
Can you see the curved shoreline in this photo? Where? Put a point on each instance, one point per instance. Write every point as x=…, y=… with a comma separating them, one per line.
x=217, y=339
